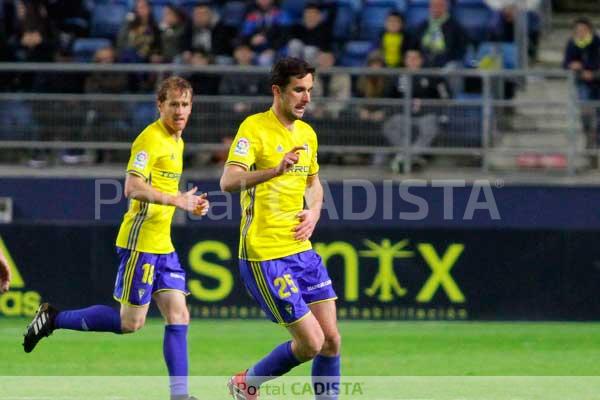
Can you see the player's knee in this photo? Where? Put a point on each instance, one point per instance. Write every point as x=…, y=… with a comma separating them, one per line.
x=130, y=325
x=332, y=344
x=179, y=317
x=312, y=346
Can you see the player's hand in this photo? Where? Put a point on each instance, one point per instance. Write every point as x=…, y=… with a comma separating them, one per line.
x=5, y=276
x=188, y=201
x=587, y=75
x=308, y=221
x=289, y=159
x=203, y=206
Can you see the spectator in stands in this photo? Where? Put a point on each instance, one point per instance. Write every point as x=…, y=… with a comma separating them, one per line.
x=71, y=17
x=241, y=84
x=34, y=39
x=139, y=37
x=502, y=27
x=208, y=34
x=103, y=117
x=331, y=91
x=424, y=122
x=393, y=40
x=173, y=29
x=441, y=39
x=266, y=30
x=374, y=87
x=313, y=34
x=202, y=82
x=582, y=55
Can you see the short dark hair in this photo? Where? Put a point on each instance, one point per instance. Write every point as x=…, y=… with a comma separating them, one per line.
x=396, y=14
x=584, y=21
x=173, y=83
x=287, y=67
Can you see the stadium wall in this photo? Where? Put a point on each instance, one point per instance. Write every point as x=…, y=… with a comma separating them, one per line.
x=411, y=204
x=413, y=250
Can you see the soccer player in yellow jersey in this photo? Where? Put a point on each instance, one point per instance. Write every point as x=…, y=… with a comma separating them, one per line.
x=149, y=267
x=273, y=162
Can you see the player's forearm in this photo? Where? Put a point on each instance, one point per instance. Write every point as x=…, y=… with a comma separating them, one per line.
x=236, y=181
x=314, y=197
x=142, y=191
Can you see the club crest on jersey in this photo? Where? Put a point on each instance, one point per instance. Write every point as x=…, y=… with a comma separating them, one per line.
x=241, y=147
x=140, y=160
x=280, y=149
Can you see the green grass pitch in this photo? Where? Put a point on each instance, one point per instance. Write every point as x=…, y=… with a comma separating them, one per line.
x=371, y=349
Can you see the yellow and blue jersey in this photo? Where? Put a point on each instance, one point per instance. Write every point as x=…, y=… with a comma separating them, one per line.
x=157, y=157
x=269, y=209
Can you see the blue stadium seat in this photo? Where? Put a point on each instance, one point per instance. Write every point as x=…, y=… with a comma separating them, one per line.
x=143, y=114
x=474, y=19
x=508, y=51
x=17, y=121
x=419, y=3
x=294, y=8
x=416, y=13
x=85, y=48
x=469, y=2
x=188, y=5
x=355, y=53
x=107, y=19
x=233, y=12
x=345, y=20
x=465, y=124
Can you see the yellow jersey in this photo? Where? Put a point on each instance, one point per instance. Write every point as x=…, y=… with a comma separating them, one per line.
x=157, y=157
x=269, y=209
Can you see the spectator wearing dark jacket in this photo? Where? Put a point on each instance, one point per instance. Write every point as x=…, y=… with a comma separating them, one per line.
x=582, y=55
x=266, y=30
x=139, y=37
x=440, y=39
x=313, y=35
x=424, y=118
x=208, y=34
x=241, y=84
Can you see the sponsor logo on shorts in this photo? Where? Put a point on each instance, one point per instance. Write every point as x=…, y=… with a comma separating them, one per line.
x=241, y=147
x=140, y=160
x=177, y=276
x=318, y=285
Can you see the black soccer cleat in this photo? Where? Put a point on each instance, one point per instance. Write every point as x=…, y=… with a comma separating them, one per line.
x=41, y=326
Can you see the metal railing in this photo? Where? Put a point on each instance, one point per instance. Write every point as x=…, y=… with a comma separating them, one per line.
x=484, y=124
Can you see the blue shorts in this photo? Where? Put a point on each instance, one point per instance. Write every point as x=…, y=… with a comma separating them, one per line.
x=141, y=275
x=284, y=287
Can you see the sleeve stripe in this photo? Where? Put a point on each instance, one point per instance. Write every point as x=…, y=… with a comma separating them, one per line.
x=237, y=163
x=134, y=172
x=313, y=174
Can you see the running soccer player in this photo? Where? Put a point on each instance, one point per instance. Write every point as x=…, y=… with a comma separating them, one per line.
x=149, y=267
x=5, y=275
x=273, y=162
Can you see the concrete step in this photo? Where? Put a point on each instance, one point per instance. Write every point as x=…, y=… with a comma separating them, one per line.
x=534, y=161
x=545, y=141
